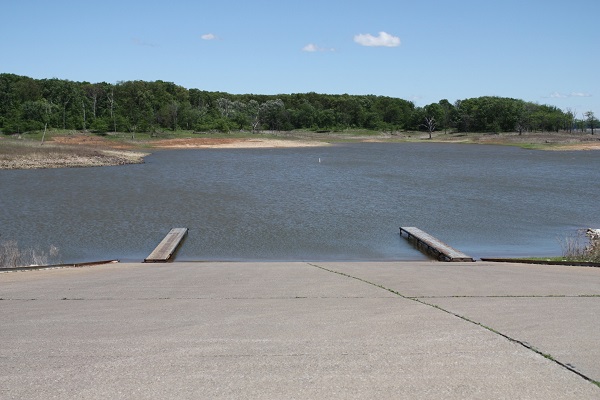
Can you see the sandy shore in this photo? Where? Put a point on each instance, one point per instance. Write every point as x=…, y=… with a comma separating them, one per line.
x=578, y=146
x=197, y=143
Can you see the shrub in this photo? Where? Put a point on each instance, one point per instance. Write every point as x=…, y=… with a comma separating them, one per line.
x=582, y=246
x=11, y=256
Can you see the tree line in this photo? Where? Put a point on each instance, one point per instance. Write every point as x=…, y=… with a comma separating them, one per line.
x=28, y=104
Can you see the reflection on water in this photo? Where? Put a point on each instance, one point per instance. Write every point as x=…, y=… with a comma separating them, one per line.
x=344, y=202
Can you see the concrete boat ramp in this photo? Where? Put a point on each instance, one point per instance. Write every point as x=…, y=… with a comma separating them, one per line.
x=305, y=330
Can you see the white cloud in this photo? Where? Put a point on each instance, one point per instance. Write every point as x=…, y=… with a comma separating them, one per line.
x=558, y=95
x=209, y=36
x=311, y=48
x=383, y=40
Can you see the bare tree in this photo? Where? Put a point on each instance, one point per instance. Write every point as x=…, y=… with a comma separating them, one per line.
x=83, y=109
x=253, y=110
x=47, y=109
x=111, y=103
x=94, y=92
x=520, y=126
x=429, y=125
x=571, y=118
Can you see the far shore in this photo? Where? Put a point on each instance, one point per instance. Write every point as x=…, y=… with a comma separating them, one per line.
x=240, y=143
x=84, y=149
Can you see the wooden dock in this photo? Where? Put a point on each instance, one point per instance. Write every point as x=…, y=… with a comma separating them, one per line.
x=439, y=249
x=166, y=248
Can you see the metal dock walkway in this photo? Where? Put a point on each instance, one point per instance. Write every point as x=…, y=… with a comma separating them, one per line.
x=166, y=248
x=441, y=250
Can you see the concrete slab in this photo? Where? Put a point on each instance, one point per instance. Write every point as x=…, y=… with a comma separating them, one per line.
x=182, y=280
x=555, y=309
x=568, y=328
x=421, y=279
x=251, y=330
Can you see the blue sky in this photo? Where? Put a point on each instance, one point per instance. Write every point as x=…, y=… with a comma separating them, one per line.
x=545, y=51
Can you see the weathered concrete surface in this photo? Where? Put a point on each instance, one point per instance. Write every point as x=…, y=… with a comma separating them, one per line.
x=555, y=309
x=296, y=330
x=424, y=278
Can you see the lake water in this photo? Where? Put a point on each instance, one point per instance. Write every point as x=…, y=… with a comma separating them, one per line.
x=342, y=202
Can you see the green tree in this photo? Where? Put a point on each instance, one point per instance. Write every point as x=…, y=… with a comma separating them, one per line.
x=448, y=114
x=274, y=115
x=571, y=117
x=65, y=95
x=591, y=120
x=135, y=105
x=326, y=119
x=37, y=113
x=304, y=116
x=434, y=113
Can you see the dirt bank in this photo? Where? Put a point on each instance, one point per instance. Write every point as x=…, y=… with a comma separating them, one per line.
x=33, y=155
x=185, y=143
x=87, y=150
x=541, y=140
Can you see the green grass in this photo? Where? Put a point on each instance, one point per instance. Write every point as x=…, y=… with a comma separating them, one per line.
x=533, y=146
x=555, y=259
x=37, y=135
x=544, y=258
x=358, y=132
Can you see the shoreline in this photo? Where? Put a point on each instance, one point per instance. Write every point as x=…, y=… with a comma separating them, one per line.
x=84, y=149
x=52, y=156
x=499, y=261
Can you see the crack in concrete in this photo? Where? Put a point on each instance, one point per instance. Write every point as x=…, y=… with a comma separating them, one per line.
x=526, y=345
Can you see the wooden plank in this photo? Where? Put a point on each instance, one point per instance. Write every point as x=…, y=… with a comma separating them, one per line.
x=442, y=251
x=166, y=248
